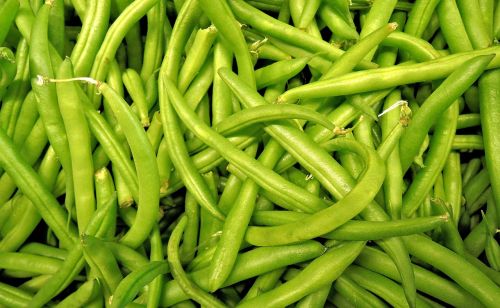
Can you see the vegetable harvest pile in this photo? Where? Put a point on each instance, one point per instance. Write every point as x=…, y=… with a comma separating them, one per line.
x=260, y=153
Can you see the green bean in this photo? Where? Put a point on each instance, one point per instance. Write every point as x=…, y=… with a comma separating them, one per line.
x=476, y=239
x=417, y=49
x=233, y=230
x=91, y=36
x=28, y=116
x=114, y=36
x=296, y=10
x=13, y=297
x=434, y=162
x=200, y=84
x=471, y=170
x=354, y=230
x=476, y=186
x=453, y=185
x=301, y=142
x=221, y=94
x=128, y=288
x=468, y=120
x=44, y=250
x=318, y=63
x=155, y=132
x=79, y=145
x=315, y=299
x=147, y=170
x=356, y=294
x=420, y=16
x=177, y=149
x=101, y=260
x=340, y=301
x=475, y=26
x=230, y=31
x=284, y=32
x=481, y=201
x=7, y=69
x=496, y=24
x=32, y=186
x=353, y=55
x=209, y=226
x=82, y=296
x=104, y=190
x=196, y=56
x=461, y=78
x=265, y=113
x=49, y=166
x=452, y=26
x=28, y=263
x=384, y=78
x=427, y=281
x=331, y=264
x=191, y=289
x=164, y=166
x=468, y=143
x=190, y=240
x=249, y=264
x=279, y=71
x=336, y=24
x=266, y=178
x=128, y=257
x=322, y=222
x=380, y=285
x=455, y=267
x=156, y=255
x=56, y=31
x=135, y=88
x=488, y=90
x=8, y=11
x=264, y=283
x=14, y=96
x=154, y=44
x=308, y=13
x=74, y=262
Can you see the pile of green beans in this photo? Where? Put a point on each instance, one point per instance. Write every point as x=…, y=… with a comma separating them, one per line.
x=249, y=153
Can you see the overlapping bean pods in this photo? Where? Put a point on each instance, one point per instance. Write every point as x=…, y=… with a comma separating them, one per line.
x=234, y=153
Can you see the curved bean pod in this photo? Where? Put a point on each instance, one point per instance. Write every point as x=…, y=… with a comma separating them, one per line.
x=336, y=215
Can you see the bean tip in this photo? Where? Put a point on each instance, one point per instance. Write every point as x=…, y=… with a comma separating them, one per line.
x=393, y=26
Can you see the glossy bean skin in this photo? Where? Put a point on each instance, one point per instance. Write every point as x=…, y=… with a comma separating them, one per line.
x=191, y=289
x=147, y=170
x=284, y=32
x=249, y=264
x=31, y=184
x=46, y=95
x=435, y=161
x=82, y=296
x=177, y=150
x=307, y=281
x=79, y=140
x=456, y=267
x=8, y=10
x=227, y=150
x=316, y=224
x=383, y=78
x=353, y=229
x=474, y=24
x=489, y=93
x=128, y=288
x=114, y=37
x=422, y=117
